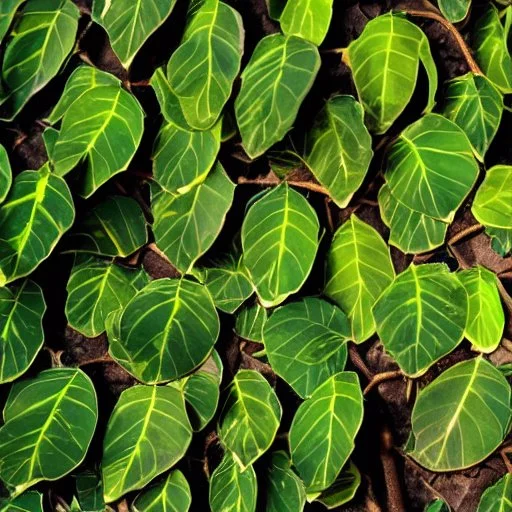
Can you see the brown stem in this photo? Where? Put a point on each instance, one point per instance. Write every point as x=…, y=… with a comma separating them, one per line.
x=421, y=258
x=369, y=202
x=152, y=247
x=382, y=377
x=122, y=506
x=358, y=362
x=505, y=297
x=328, y=213
x=505, y=275
x=393, y=490
x=103, y=359
x=475, y=228
x=265, y=182
x=473, y=66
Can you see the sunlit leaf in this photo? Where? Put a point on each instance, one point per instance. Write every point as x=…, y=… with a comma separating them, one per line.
x=385, y=60
x=202, y=70
x=305, y=343
x=492, y=205
x=50, y=137
x=280, y=240
x=104, y=127
x=285, y=490
x=21, y=327
x=170, y=495
x=323, y=430
x=183, y=158
x=8, y=9
x=473, y=103
x=343, y=489
x=339, y=148
x=49, y=423
x=454, y=10
x=431, y=167
x=186, y=225
x=41, y=40
x=421, y=316
x=147, y=433
x=37, y=212
x=461, y=417
x=89, y=488
x=130, y=23
x=5, y=174
x=490, y=44
x=497, y=497
x=167, y=330
x=29, y=501
x=359, y=268
x=274, y=83
x=309, y=19
x=250, y=417
x=486, y=318
x=501, y=239
x=114, y=227
x=95, y=289
x=410, y=231
x=250, y=322
x=231, y=489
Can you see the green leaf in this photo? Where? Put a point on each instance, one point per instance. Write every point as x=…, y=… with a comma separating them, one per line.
x=49, y=423
x=492, y=205
x=305, y=343
x=461, y=417
x=8, y=9
x=275, y=8
x=421, y=316
x=486, y=319
x=5, y=173
x=276, y=80
x=183, y=158
x=343, y=489
x=30, y=501
x=279, y=240
x=114, y=227
x=170, y=495
x=323, y=430
x=410, y=231
x=79, y=82
x=359, y=269
x=41, y=40
x=250, y=322
x=231, y=489
x=309, y=19
x=384, y=60
x=497, y=497
x=37, y=212
x=201, y=391
x=431, y=167
x=474, y=104
x=50, y=137
x=228, y=285
x=130, y=23
x=202, y=70
x=167, y=330
x=186, y=225
x=454, y=10
x=89, y=488
x=285, y=490
x=250, y=417
x=340, y=148
x=501, y=239
x=104, y=127
x=21, y=328
x=437, y=505
x=146, y=435
x=490, y=44
x=95, y=289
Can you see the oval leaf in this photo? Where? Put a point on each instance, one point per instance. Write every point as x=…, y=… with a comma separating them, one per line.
x=454, y=10
x=250, y=322
x=309, y=19
x=497, y=497
x=5, y=174
x=7, y=11
x=30, y=501
x=343, y=489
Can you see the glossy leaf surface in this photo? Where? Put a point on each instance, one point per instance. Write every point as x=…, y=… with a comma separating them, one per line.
x=454, y=10
x=5, y=174
x=343, y=489
x=250, y=322
x=497, y=497
x=309, y=19
x=7, y=11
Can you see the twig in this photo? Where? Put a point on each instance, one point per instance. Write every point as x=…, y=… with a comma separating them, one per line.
x=379, y=378
x=358, y=362
x=393, y=490
x=368, y=202
x=505, y=297
x=103, y=359
x=475, y=228
x=473, y=66
x=505, y=275
x=265, y=182
x=328, y=213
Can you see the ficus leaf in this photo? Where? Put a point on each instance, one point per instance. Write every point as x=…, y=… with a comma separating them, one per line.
x=343, y=489
x=497, y=497
x=49, y=423
x=279, y=240
x=147, y=433
x=274, y=83
x=130, y=23
x=339, y=148
x=421, y=316
x=305, y=343
x=29, y=501
x=323, y=430
x=461, y=417
x=437, y=505
x=501, y=239
x=202, y=70
x=250, y=417
x=359, y=268
x=385, y=60
x=250, y=322
x=89, y=488
x=8, y=9
x=454, y=10
x=5, y=174
x=21, y=326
